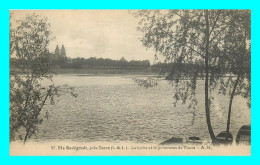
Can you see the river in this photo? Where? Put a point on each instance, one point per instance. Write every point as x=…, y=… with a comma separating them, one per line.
x=115, y=109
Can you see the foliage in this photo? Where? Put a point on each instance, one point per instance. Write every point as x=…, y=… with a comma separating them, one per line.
x=147, y=83
x=238, y=57
x=192, y=37
x=29, y=39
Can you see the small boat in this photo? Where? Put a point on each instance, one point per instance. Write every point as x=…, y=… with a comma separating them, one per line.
x=244, y=135
x=173, y=140
x=194, y=140
x=221, y=138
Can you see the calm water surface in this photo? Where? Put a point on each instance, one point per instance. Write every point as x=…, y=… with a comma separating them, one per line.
x=114, y=109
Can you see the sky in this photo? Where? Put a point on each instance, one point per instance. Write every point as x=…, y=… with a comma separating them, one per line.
x=95, y=33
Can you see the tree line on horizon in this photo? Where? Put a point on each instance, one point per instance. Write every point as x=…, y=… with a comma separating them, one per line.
x=63, y=62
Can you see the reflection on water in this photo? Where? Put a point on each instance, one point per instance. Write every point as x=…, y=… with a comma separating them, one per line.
x=115, y=109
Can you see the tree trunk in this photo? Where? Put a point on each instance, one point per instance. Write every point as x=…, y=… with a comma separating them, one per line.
x=234, y=90
x=26, y=136
x=230, y=107
x=207, y=108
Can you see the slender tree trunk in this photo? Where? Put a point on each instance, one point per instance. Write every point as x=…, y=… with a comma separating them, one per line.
x=207, y=108
x=234, y=90
x=37, y=114
x=26, y=136
x=230, y=107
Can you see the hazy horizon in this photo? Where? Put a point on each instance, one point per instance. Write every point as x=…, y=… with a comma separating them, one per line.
x=94, y=33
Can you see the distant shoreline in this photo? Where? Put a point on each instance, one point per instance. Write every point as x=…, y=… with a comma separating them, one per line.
x=111, y=72
x=103, y=71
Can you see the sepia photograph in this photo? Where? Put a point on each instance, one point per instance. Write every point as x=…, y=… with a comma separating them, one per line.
x=130, y=82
